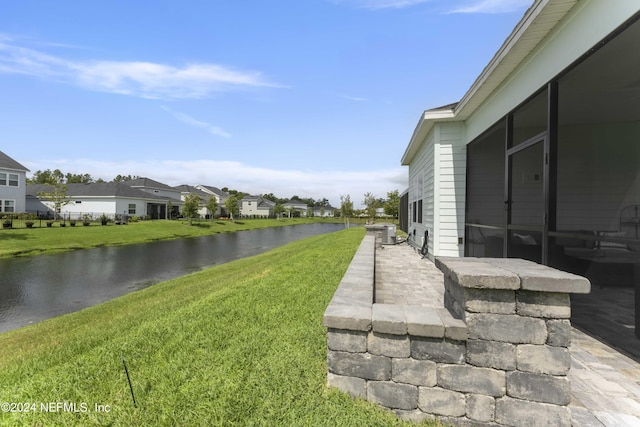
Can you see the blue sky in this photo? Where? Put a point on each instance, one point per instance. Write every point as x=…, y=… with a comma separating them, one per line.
x=315, y=98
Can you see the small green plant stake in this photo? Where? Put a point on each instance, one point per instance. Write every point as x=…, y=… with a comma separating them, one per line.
x=124, y=363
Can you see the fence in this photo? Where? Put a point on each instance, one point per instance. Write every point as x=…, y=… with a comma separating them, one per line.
x=49, y=219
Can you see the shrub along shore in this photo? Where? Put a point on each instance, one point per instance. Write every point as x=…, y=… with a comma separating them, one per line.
x=36, y=241
x=237, y=344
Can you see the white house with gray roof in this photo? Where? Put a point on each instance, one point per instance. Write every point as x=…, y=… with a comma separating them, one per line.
x=109, y=198
x=186, y=190
x=170, y=209
x=324, y=211
x=256, y=206
x=13, y=178
x=221, y=197
x=296, y=206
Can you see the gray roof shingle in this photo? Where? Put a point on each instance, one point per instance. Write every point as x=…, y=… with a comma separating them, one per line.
x=7, y=162
x=147, y=182
x=100, y=189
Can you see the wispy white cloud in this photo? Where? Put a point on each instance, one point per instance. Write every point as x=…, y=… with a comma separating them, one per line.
x=184, y=118
x=493, y=6
x=135, y=78
x=159, y=81
x=383, y=4
x=353, y=98
x=243, y=177
x=466, y=6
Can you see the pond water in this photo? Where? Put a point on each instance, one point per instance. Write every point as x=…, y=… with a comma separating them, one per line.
x=37, y=288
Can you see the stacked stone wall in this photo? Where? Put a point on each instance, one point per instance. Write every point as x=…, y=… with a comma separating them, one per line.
x=501, y=358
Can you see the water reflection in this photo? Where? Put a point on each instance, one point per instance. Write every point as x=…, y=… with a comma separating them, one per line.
x=37, y=288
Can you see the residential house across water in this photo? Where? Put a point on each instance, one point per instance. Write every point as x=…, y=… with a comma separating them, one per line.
x=12, y=185
x=109, y=198
x=256, y=206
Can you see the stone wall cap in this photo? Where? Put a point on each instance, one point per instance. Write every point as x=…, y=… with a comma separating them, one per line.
x=351, y=317
x=388, y=319
x=511, y=273
x=542, y=278
x=477, y=273
x=455, y=329
x=423, y=322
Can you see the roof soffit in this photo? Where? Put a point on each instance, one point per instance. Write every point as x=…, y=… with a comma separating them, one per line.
x=537, y=23
x=424, y=126
x=539, y=20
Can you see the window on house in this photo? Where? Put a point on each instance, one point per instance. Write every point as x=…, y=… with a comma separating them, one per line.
x=3, y=179
x=8, y=205
x=415, y=211
x=419, y=211
x=132, y=208
x=409, y=212
x=13, y=180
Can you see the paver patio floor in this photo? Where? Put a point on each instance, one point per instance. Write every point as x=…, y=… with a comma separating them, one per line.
x=605, y=384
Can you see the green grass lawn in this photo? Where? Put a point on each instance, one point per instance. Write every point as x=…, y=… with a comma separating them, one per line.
x=34, y=241
x=237, y=344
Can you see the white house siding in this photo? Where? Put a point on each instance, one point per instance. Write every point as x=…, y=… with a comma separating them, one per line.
x=440, y=163
x=587, y=24
x=421, y=187
x=250, y=208
x=159, y=192
x=301, y=208
x=449, y=189
x=15, y=194
x=98, y=206
x=122, y=206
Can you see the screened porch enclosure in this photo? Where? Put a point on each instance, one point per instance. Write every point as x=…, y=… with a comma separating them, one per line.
x=557, y=181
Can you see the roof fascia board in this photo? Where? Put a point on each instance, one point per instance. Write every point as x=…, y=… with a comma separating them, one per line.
x=4, y=168
x=582, y=27
x=424, y=126
x=539, y=20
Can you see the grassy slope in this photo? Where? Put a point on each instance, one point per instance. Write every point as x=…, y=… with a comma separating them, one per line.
x=20, y=242
x=237, y=344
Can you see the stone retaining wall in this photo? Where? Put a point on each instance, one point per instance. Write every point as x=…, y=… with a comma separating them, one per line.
x=502, y=360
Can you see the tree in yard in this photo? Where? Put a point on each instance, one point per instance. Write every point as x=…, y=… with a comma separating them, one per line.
x=346, y=209
x=57, y=177
x=124, y=178
x=371, y=206
x=279, y=209
x=170, y=210
x=191, y=205
x=232, y=206
x=322, y=203
x=392, y=204
x=273, y=198
x=58, y=196
x=72, y=178
x=212, y=206
x=47, y=177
